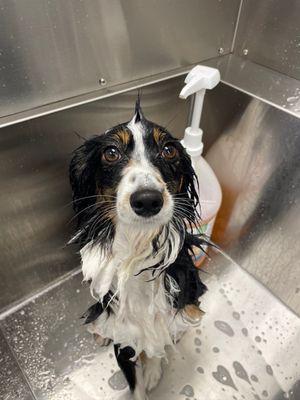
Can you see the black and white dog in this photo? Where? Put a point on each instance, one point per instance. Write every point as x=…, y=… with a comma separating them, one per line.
x=135, y=199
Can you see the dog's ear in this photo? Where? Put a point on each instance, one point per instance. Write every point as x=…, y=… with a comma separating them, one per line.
x=82, y=170
x=190, y=180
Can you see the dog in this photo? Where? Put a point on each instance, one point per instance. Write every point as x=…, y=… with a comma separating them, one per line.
x=135, y=199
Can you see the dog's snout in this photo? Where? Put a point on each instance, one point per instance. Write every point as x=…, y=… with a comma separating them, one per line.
x=146, y=203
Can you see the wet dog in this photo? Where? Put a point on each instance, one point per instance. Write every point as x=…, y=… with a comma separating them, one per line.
x=135, y=198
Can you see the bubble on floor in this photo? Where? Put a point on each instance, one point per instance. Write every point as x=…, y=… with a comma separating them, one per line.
x=216, y=350
x=254, y=378
x=197, y=342
x=223, y=376
x=117, y=381
x=257, y=339
x=269, y=370
x=265, y=393
x=187, y=390
x=224, y=327
x=200, y=370
x=236, y=315
x=245, y=331
x=240, y=371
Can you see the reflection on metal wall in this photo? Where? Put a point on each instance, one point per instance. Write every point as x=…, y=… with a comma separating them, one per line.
x=269, y=34
x=52, y=50
x=35, y=209
x=255, y=154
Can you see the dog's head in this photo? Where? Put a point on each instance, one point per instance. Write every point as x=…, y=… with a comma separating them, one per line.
x=134, y=174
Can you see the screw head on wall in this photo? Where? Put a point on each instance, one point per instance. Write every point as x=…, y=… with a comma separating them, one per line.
x=102, y=82
x=245, y=52
x=220, y=50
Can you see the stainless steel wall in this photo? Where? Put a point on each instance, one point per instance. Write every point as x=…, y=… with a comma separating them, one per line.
x=252, y=146
x=254, y=150
x=269, y=34
x=35, y=209
x=53, y=50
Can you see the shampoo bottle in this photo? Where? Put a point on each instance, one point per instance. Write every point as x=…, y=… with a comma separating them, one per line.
x=197, y=81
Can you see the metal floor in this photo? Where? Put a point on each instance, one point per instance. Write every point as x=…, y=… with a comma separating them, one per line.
x=247, y=347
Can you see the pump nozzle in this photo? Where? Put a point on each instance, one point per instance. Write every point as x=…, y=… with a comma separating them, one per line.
x=200, y=77
x=197, y=81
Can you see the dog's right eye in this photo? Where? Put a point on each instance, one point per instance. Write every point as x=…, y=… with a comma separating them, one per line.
x=111, y=154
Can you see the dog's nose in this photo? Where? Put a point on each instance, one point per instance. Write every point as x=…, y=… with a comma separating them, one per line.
x=146, y=203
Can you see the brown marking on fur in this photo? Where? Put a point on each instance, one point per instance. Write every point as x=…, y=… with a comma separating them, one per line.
x=180, y=184
x=143, y=357
x=193, y=312
x=124, y=136
x=158, y=135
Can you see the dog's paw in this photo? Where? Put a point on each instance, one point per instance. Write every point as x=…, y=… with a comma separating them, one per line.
x=101, y=341
x=152, y=372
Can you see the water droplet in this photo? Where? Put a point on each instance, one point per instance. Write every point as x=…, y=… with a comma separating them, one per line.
x=269, y=369
x=197, y=342
x=254, y=378
x=240, y=371
x=236, y=315
x=117, y=381
x=245, y=331
x=187, y=390
x=223, y=376
x=198, y=331
x=216, y=350
x=224, y=327
x=292, y=99
x=257, y=339
x=200, y=370
x=265, y=393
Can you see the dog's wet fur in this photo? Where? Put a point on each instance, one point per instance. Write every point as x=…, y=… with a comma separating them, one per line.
x=135, y=198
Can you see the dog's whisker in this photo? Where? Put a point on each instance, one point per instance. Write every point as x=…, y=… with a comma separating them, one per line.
x=90, y=206
x=87, y=197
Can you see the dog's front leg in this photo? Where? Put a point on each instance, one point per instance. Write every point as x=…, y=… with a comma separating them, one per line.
x=152, y=371
x=132, y=371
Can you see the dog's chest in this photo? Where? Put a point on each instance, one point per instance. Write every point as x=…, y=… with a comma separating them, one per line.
x=141, y=314
x=141, y=318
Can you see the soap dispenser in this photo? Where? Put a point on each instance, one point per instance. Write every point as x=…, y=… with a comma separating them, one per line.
x=197, y=81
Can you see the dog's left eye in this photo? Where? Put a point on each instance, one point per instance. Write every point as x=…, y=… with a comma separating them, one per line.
x=169, y=152
x=111, y=154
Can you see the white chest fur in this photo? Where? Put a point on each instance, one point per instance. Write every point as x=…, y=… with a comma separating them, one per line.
x=142, y=318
